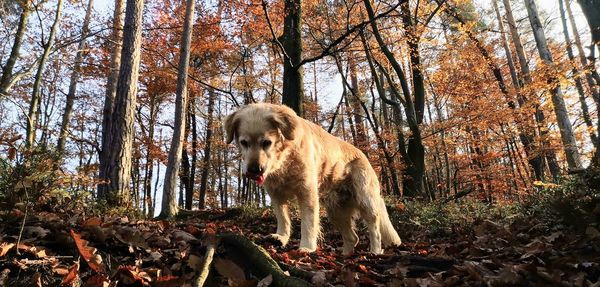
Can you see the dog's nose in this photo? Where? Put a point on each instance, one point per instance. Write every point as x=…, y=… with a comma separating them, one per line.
x=255, y=168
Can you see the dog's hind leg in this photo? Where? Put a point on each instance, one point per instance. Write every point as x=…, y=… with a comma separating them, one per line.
x=342, y=217
x=366, y=189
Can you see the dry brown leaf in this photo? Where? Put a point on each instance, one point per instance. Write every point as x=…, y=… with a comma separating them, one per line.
x=97, y=280
x=229, y=270
x=5, y=247
x=92, y=221
x=60, y=270
x=167, y=281
x=73, y=274
x=88, y=253
x=265, y=281
x=592, y=232
x=129, y=275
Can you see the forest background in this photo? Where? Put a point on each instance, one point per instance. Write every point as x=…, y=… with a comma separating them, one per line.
x=119, y=105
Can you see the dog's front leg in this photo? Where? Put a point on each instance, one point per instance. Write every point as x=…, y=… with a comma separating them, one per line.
x=283, y=221
x=310, y=227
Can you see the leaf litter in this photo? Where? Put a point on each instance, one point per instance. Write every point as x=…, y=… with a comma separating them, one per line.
x=117, y=251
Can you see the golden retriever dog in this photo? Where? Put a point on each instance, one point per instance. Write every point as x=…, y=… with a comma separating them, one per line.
x=296, y=159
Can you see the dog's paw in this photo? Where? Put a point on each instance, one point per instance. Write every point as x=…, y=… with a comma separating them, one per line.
x=283, y=240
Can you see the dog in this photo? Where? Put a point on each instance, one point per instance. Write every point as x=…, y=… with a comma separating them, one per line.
x=296, y=159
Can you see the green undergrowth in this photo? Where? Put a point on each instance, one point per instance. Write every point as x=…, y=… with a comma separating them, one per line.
x=566, y=206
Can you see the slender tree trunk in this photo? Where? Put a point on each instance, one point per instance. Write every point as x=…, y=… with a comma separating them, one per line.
x=589, y=69
x=540, y=118
x=149, y=168
x=560, y=109
x=360, y=140
x=389, y=159
x=169, y=202
x=526, y=128
x=32, y=116
x=118, y=169
x=591, y=10
x=578, y=84
x=189, y=196
x=207, y=149
x=186, y=188
x=66, y=119
x=293, y=73
x=109, y=97
x=413, y=183
x=7, y=79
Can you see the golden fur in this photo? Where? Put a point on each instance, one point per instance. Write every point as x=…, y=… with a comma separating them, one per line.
x=299, y=160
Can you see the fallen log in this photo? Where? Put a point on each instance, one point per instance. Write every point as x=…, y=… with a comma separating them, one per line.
x=257, y=258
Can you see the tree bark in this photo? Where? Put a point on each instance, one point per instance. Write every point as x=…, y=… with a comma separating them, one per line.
x=360, y=140
x=66, y=119
x=591, y=10
x=109, y=97
x=189, y=193
x=169, y=202
x=589, y=69
x=415, y=167
x=118, y=168
x=293, y=72
x=207, y=149
x=540, y=118
x=560, y=109
x=578, y=84
x=7, y=71
x=32, y=115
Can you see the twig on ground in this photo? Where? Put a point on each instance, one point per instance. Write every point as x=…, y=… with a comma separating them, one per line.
x=208, y=258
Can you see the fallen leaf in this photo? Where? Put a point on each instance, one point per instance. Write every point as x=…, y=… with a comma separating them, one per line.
x=97, y=280
x=167, y=281
x=229, y=270
x=592, y=232
x=5, y=247
x=88, y=253
x=73, y=274
x=129, y=275
x=92, y=221
x=265, y=281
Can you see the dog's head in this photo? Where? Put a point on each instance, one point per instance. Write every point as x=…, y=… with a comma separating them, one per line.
x=262, y=132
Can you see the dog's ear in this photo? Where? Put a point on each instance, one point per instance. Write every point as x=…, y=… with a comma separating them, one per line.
x=286, y=120
x=230, y=124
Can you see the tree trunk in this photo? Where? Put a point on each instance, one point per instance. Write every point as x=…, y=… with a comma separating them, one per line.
x=32, y=116
x=7, y=79
x=537, y=161
x=591, y=10
x=560, y=109
x=66, y=119
x=149, y=168
x=415, y=167
x=118, y=168
x=186, y=191
x=169, y=202
x=109, y=97
x=189, y=196
x=578, y=84
x=360, y=140
x=293, y=73
x=589, y=69
x=207, y=149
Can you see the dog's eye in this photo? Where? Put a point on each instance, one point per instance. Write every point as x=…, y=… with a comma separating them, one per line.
x=244, y=143
x=266, y=143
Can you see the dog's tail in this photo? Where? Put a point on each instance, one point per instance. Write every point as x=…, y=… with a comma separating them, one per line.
x=389, y=236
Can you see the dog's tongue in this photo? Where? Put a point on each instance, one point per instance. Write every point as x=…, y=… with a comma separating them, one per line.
x=260, y=179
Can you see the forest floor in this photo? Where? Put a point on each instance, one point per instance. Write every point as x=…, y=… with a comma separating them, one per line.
x=542, y=241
